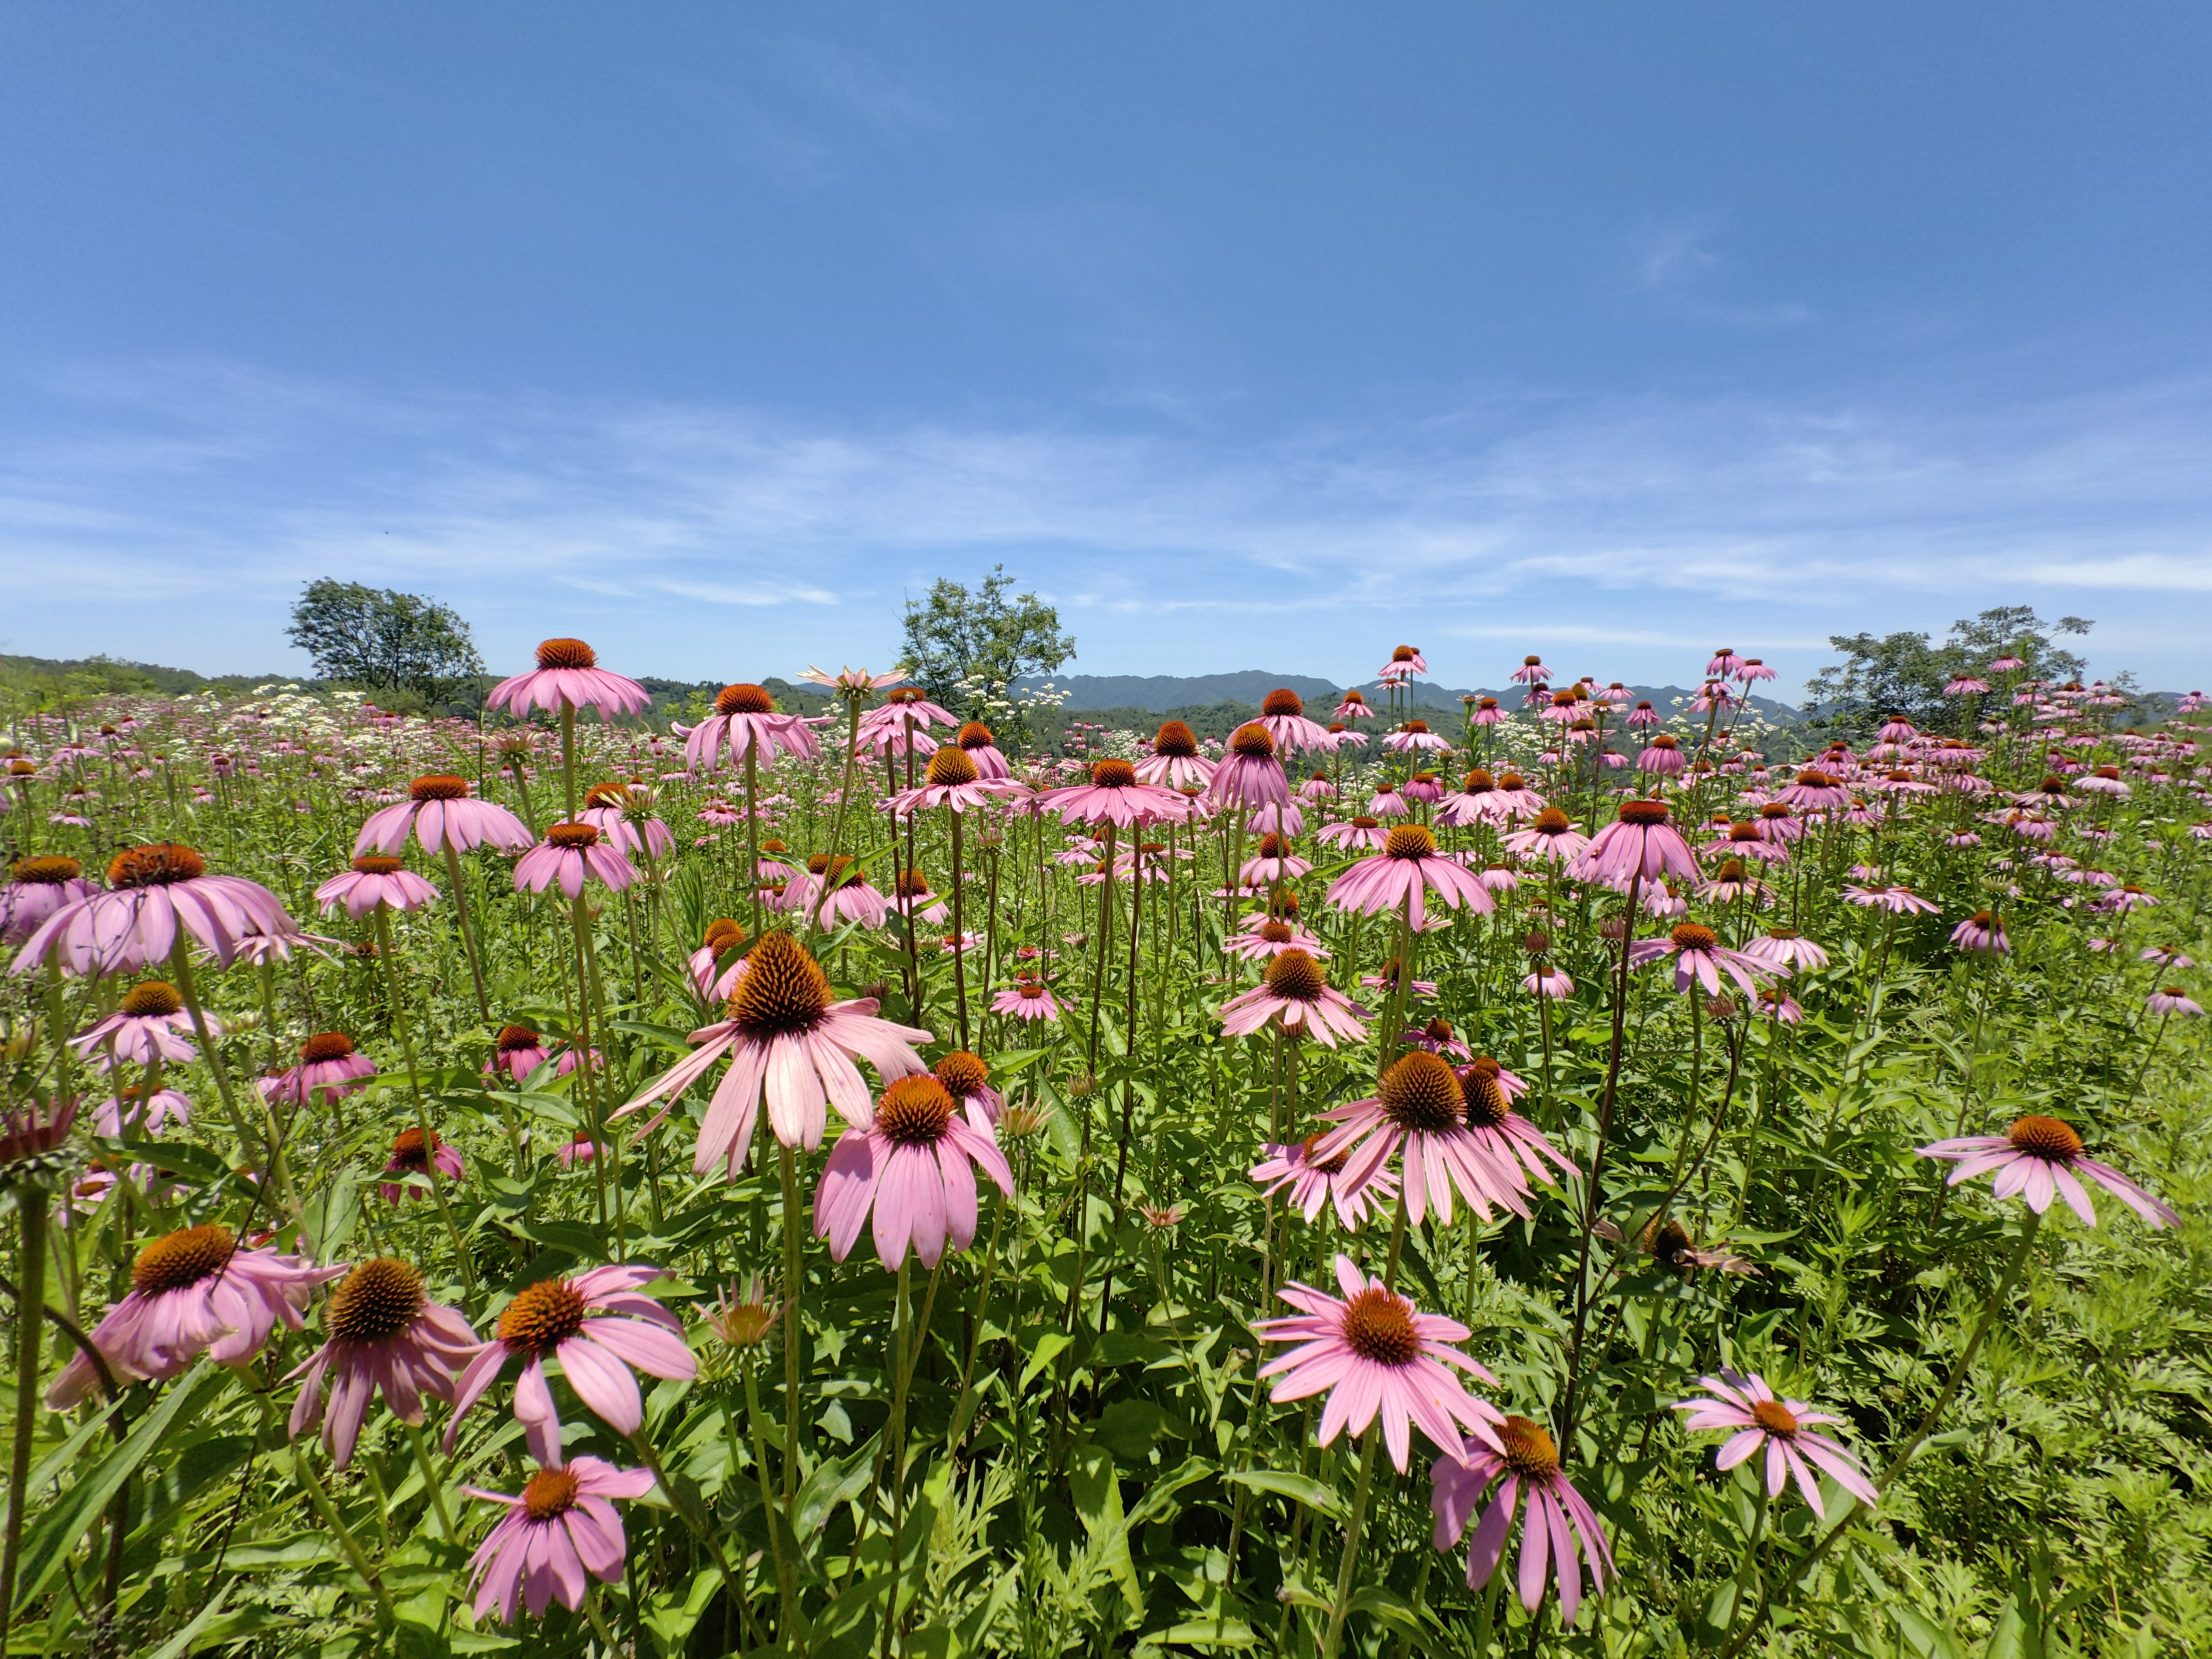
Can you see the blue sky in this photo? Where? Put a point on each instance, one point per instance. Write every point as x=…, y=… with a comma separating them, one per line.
x=1252, y=335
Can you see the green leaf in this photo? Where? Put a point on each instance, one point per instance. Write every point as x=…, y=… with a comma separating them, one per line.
x=194, y=1164
x=1205, y=1633
x=836, y=1480
x=1296, y=1487
x=1049, y=1348
x=1128, y=1428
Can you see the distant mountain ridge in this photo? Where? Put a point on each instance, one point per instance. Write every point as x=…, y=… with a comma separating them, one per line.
x=1159, y=693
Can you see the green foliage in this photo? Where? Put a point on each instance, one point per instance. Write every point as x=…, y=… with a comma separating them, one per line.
x=1904, y=673
x=384, y=640
x=963, y=645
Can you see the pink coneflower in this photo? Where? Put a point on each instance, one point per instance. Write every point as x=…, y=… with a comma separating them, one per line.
x=1550, y=838
x=622, y=814
x=330, y=1068
x=382, y=1331
x=1531, y=671
x=1965, y=685
x=1643, y=714
x=2164, y=955
x=519, y=1050
x=1724, y=663
x=1353, y=707
x=1814, y=790
x=1521, y=1459
x=1316, y=1181
x=910, y=895
x=408, y=1157
x=1423, y=788
x=1294, y=995
x=2040, y=1157
x=1249, y=774
x=1388, y=802
x=1639, y=844
x=1788, y=949
x=130, y=1110
x=713, y=981
x=1751, y=670
x=1400, y=877
x=1486, y=711
x=852, y=898
x=158, y=889
x=1662, y=757
x=1981, y=934
x=1406, y=661
x=1701, y=959
x=789, y=1042
x=148, y=1025
x=561, y=1527
x=1374, y=1353
x=1283, y=712
x=745, y=722
x=1500, y=1131
x=2125, y=898
x=1262, y=937
x=568, y=673
x=1317, y=788
x=1897, y=900
x=1776, y=1003
x=2172, y=999
x=37, y=887
x=2007, y=664
x=1361, y=834
x=1026, y=999
x=1745, y=1404
x=1548, y=982
x=191, y=1291
x=1419, y=1109
x=1276, y=818
x=981, y=744
x=912, y=1168
x=953, y=781
x=578, y=1148
x=443, y=814
x=1273, y=863
x=1174, y=760
x=598, y=1326
x=1114, y=796
x=1413, y=737
x=571, y=855
x=374, y=879
x=968, y=1080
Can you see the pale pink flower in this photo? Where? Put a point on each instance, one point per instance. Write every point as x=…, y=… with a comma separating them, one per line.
x=561, y=1527
x=1788, y=949
x=1260, y=936
x=1724, y=663
x=1316, y=1181
x=1115, y=796
x=443, y=814
x=157, y=890
x=745, y=722
x=329, y=1069
x=1701, y=959
x=1548, y=982
x=1550, y=838
x=1662, y=757
x=1361, y=834
x=1249, y=774
x=1414, y=736
x=953, y=781
x=1743, y=1403
x=2173, y=999
x=568, y=673
x=1175, y=761
x=1420, y=1110
x=1981, y=934
x=1531, y=671
x=1489, y=1090
x=37, y=887
x=1520, y=1459
x=1897, y=900
x=1284, y=714
x=2040, y=1157
x=1026, y=999
x=519, y=1050
x=912, y=1168
x=129, y=1111
x=383, y=1332
x=408, y=1158
x=374, y=879
x=1294, y=995
x=570, y=855
x=1400, y=877
x=147, y=1026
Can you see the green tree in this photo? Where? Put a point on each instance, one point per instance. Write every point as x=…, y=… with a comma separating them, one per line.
x=384, y=641
x=1905, y=673
x=963, y=647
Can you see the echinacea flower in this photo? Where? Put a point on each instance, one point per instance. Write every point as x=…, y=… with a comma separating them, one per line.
x=1360, y=833
x=1981, y=934
x=1408, y=870
x=131, y=1111
x=37, y=887
x=444, y=816
x=2173, y=999
x=1250, y=775
x=1294, y=992
x=1744, y=1403
x=1551, y=837
x=1283, y=712
x=519, y=1050
x=1375, y=1353
x=1174, y=760
x=1638, y=845
x=788, y=1042
x=2040, y=1157
x=954, y=782
x=157, y=890
x=1548, y=982
x=148, y=1025
x=561, y=1527
x=374, y=879
x=1521, y=1460
x=912, y=1168
x=1788, y=949
x=1314, y=1181
x=1026, y=999
x=598, y=1325
x=1114, y=796
x=569, y=674
x=1897, y=900
x=1418, y=1110
x=1499, y=1130
x=745, y=723
x=192, y=1292
x=1701, y=959
x=981, y=745
x=329, y=1069
x=1405, y=662
x=382, y=1331
x=409, y=1158
x=571, y=855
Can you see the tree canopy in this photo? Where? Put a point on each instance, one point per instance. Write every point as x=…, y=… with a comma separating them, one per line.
x=383, y=639
x=962, y=646
x=1905, y=673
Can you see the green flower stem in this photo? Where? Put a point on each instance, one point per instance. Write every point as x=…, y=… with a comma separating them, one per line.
x=431, y=1479
x=303, y=1470
x=468, y=932
x=1354, y=1527
x=415, y=1090
x=30, y=1301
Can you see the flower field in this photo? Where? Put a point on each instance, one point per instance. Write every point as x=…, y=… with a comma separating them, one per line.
x=1564, y=1177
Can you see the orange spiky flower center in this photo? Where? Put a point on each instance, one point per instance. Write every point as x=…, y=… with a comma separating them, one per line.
x=1282, y=700
x=1377, y=1326
x=326, y=1046
x=744, y=699
x=48, y=870
x=1773, y=1416
x=1410, y=841
x=915, y=1111
x=1175, y=741
x=976, y=735
x=963, y=1075
x=542, y=1317
x=1295, y=975
x=512, y=1038
x=375, y=1301
x=1421, y=1093
x=156, y=864
x=572, y=837
x=154, y=999
x=1647, y=814
x=549, y=1494
x=784, y=990
x=176, y=1261
x=1530, y=1450
x=2045, y=1138
x=1252, y=742
x=567, y=653
x=951, y=766
x=1691, y=936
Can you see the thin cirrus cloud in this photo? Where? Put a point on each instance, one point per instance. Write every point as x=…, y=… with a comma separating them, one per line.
x=1636, y=523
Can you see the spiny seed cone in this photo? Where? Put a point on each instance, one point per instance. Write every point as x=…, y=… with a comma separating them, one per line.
x=976, y=735
x=512, y=1038
x=606, y=794
x=376, y=864
x=964, y=1074
x=572, y=837
x=722, y=934
x=1272, y=846
x=1276, y=932
x=409, y=1151
x=1438, y=1030
x=1783, y=933
x=1530, y=1450
x=744, y=699
x=1414, y=727
x=1730, y=870
x=1285, y=904
x=1663, y=741
x=1814, y=778
x=1537, y=943
x=2044, y=1138
x=1486, y=1104
x=542, y=1317
x=1983, y=919
x=1175, y=740
x=1647, y=813
x=375, y=1301
x=1410, y=841
x=1294, y=974
x=1377, y=1326
x=2109, y=774
x=567, y=653
x=180, y=1259
x=784, y=990
x=915, y=1111
x=948, y=767
x=2052, y=785
x=1690, y=936
x=154, y=999
x=1511, y=780
x=1775, y=811
x=1743, y=831
x=1406, y=654
x=911, y=884
x=154, y=865
x=1282, y=700
x=50, y=869
x=324, y=1046
x=438, y=785
x=1774, y=1417
x=1253, y=742
x=1552, y=822
x=1112, y=775
x=1478, y=782
x=905, y=695
x=1363, y=822
x=1665, y=1241
x=549, y=1494
x=1421, y=1093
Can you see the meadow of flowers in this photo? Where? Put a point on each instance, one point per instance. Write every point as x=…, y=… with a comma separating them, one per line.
x=1580, y=1178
